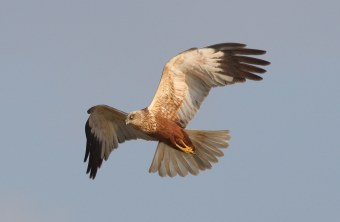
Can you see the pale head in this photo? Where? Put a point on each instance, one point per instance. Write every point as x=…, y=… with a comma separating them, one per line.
x=135, y=118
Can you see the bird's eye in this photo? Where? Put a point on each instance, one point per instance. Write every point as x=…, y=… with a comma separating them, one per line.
x=131, y=117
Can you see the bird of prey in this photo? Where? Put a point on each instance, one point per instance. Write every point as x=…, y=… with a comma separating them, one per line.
x=186, y=80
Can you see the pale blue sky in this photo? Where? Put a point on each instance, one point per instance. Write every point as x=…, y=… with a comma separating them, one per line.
x=58, y=58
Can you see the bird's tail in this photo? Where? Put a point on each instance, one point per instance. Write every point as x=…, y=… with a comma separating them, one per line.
x=170, y=162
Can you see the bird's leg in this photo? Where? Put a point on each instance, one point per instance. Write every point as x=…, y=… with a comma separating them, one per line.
x=186, y=148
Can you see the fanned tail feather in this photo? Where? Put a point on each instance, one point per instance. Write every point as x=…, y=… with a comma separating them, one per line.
x=208, y=144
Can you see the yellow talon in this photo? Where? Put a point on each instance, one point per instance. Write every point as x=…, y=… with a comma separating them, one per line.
x=186, y=148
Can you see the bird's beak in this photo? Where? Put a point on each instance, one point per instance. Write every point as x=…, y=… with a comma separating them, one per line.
x=127, y=121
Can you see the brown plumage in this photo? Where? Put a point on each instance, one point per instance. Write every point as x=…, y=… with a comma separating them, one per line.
x=171, y=133
x=187, y=79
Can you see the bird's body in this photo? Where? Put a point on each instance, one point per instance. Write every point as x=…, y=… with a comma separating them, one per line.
x=172, y=134
x=157, y=126
x=186, y=81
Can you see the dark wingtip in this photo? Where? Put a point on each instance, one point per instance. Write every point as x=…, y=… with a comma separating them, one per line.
x=92, y=152
x=246, y=51
x=239, y=62
x=89, y=111
x=226, y=46
x=87, y=132
x=93, y=173
x=257, y=78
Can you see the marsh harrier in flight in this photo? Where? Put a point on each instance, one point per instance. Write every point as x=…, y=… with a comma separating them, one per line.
x=186, y=80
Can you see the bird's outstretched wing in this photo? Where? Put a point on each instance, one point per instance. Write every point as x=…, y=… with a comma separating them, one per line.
x=188, y=77
x=105, y=129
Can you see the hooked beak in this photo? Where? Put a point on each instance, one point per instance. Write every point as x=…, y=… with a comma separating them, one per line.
x=127, y=121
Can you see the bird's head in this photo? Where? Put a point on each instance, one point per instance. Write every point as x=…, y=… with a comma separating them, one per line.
x=135, y=118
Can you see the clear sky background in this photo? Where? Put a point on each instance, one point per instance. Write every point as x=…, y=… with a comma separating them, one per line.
x=59, y=58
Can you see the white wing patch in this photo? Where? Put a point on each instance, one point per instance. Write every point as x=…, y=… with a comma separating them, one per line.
x=195, y=72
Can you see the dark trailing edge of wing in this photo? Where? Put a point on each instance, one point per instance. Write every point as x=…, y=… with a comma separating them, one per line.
x=92, y=153
x=243, y=67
